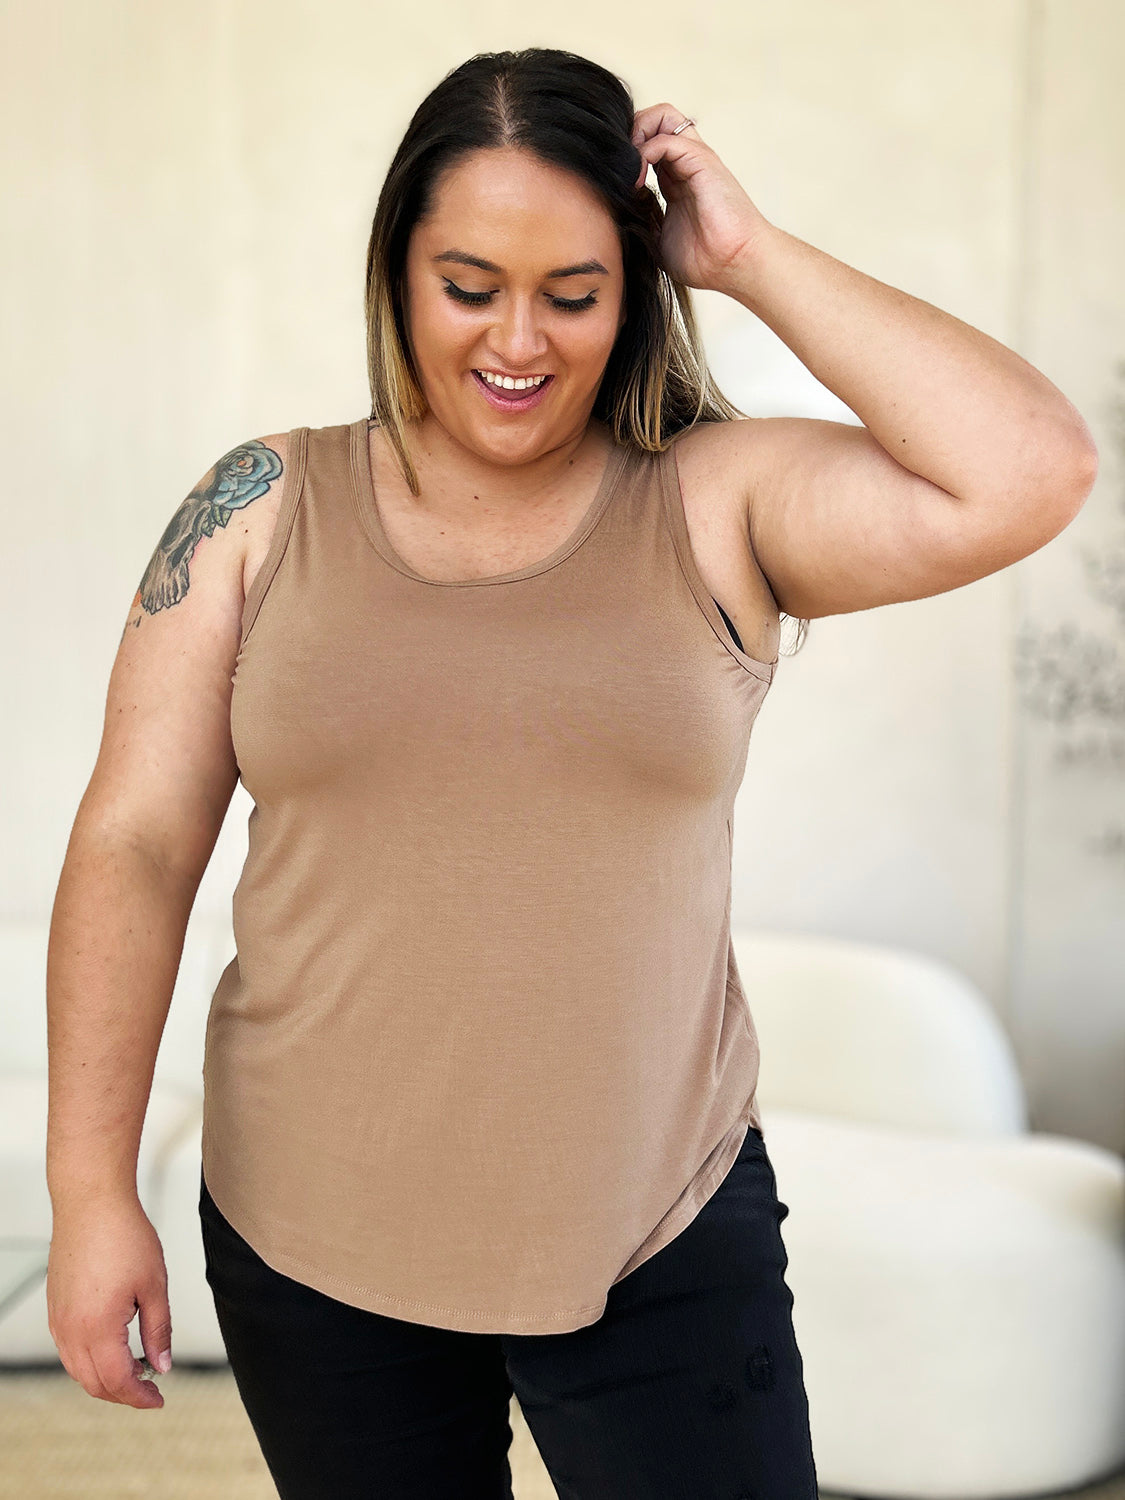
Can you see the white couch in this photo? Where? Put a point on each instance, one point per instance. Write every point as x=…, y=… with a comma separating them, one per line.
x=958, y=1282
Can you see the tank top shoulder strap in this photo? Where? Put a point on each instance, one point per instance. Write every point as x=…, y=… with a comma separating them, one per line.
x=672, y=500
x=292, y=483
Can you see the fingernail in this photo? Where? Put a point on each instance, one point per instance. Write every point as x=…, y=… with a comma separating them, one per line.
x=164, y=1361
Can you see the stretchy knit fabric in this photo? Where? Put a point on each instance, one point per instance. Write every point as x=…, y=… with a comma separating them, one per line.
x=483, y=1048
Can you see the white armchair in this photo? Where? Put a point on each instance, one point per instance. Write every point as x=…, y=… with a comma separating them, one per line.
x=958, y=1282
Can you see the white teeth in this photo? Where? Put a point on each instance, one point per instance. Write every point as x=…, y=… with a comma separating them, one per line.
x=509, y=384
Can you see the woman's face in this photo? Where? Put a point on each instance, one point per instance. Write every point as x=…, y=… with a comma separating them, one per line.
x=548, y=300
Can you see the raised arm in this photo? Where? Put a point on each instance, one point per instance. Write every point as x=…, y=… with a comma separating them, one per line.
x=968, y=458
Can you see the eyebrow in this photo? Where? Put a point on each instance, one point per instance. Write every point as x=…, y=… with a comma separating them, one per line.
x=581, y=268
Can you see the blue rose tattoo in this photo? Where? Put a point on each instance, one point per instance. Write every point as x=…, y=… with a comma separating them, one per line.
x=239, y=477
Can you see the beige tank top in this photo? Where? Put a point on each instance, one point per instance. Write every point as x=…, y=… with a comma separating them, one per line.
x=483, y=1048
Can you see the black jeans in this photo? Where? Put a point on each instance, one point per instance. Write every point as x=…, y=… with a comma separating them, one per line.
x=688, y=1387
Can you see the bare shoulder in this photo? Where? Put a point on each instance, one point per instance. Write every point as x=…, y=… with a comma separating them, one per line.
x=718, y=463
x=234, y=505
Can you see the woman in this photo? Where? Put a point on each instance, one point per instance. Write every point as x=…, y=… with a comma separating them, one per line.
x=480, y=1110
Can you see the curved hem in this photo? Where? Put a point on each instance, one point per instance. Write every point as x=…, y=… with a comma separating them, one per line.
x=681, y=1214
x=407, y=1309
x=411, y=1309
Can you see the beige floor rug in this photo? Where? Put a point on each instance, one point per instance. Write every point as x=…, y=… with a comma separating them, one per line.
x=57, y=1443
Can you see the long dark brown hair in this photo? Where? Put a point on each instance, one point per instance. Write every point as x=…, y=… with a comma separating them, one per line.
x=572, y=113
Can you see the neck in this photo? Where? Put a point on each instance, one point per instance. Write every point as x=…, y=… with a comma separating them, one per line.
x=454, y=477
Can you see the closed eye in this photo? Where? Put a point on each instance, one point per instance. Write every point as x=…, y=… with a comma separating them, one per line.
x=482, y=299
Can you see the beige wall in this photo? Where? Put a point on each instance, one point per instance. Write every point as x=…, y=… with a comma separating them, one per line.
x=187, y=192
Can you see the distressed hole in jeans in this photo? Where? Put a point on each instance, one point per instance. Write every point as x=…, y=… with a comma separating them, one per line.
x=759, y=1369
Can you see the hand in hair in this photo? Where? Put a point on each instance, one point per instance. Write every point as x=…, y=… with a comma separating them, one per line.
x=710, y=224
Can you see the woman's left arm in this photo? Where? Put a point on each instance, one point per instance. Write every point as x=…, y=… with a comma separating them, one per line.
x=990, y=458
x=944, y=399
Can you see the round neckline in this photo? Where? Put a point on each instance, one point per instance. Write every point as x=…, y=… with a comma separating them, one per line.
x=367, y=513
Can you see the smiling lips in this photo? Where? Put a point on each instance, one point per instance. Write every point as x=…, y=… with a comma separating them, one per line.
x=519, y=396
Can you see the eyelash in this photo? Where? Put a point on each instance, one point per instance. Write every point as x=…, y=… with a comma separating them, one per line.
x=481, y=299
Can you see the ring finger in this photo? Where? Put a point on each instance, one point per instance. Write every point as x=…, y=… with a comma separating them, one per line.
x=656, y=119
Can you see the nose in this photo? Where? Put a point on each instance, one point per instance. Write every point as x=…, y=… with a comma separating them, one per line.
x=516, y=338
